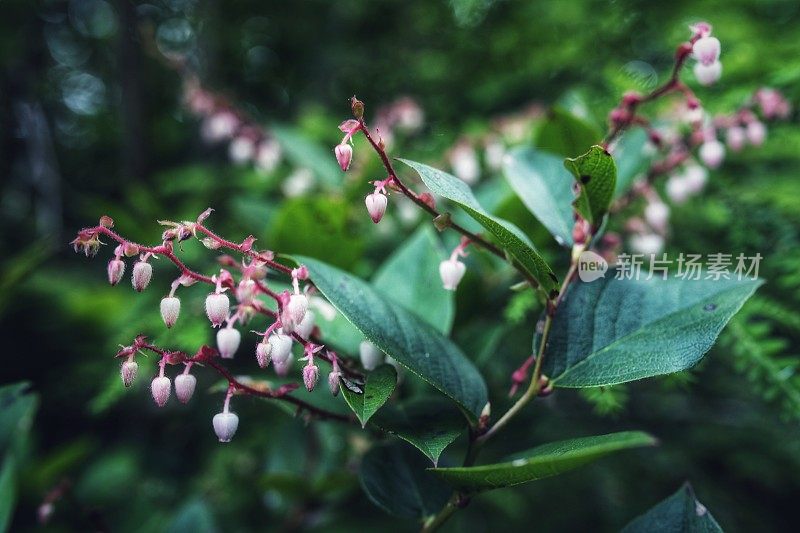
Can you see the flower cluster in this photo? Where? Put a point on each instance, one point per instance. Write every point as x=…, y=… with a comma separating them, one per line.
x=248, y=142
x=239, y=293
x=706, y=50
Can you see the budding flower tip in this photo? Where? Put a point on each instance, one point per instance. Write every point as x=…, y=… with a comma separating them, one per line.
x=184, y=387
x=376, y=205
x=142, y=273
x=160, y=389
x=129, y=370
x=344, y=155
x=170, y=310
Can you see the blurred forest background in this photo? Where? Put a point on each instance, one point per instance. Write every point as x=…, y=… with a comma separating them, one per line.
x=93, y=122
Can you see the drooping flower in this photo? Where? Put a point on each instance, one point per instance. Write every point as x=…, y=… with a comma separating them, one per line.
x=451, y=271
x=128, y=371
x=707, y=74
x=370, y=355
x=116, y=269
x=160, y=388
x=225, y=425
x=344, y=155
x=217, y=307
x=170, y=309
x=706, y=50
x=376, y=205
x=228, y=340
x=142, y=273
x=184, y=387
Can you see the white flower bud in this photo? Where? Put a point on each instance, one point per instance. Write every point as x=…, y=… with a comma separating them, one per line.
x=184, y=387
x=333, y=381
x=706, y=50
x=647, y=244
x=217, y=307
x=170, y=309
x=263, y=354
x=735, y=138
x=225, y=426
x=142, y=272
x=128, y=370
x=370, y=355
x=657, y=215
x=310, y=376
x=219, y=126
x=756, y=133
x=116, y=269
x=160, y=388
x=376, y=205
x=306, y=326
x=294, y=312
x=281, y=347
x=695, y=177
x=677, y=189
x=707, y=74
x=228, y=340
x=268, y=155
x=246, y=291
x=712, y=153
x=241, y=150
x=451, y=272
x=344, y=155
x=282, y=367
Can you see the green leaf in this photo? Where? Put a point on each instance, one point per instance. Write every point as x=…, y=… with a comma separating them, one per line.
x=17, y=408
x=543, y=461
x=194, y=516
x=413, y=343
x=508, y=235
x=680, y=513
x=611, y=331
x=545, y=187
x=631, y=158
x=430, y=424
x=565, y=134
x=378, y=387
x=299, y=223
x=8, y=492
x=596, y=174
x=395, y=479
x=410, y=277
x=303, y=152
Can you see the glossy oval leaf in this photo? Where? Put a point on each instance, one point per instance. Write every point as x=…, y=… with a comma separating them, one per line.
x=541, y=462
x=680, y=513
x=378, y=388
x=410, y=277
x=395, y=478
x=566, y=134
x=429, y=424
x=412, y=342
x=596, y=175
x=509, y=236
x=611, y=330
x=545, y=187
